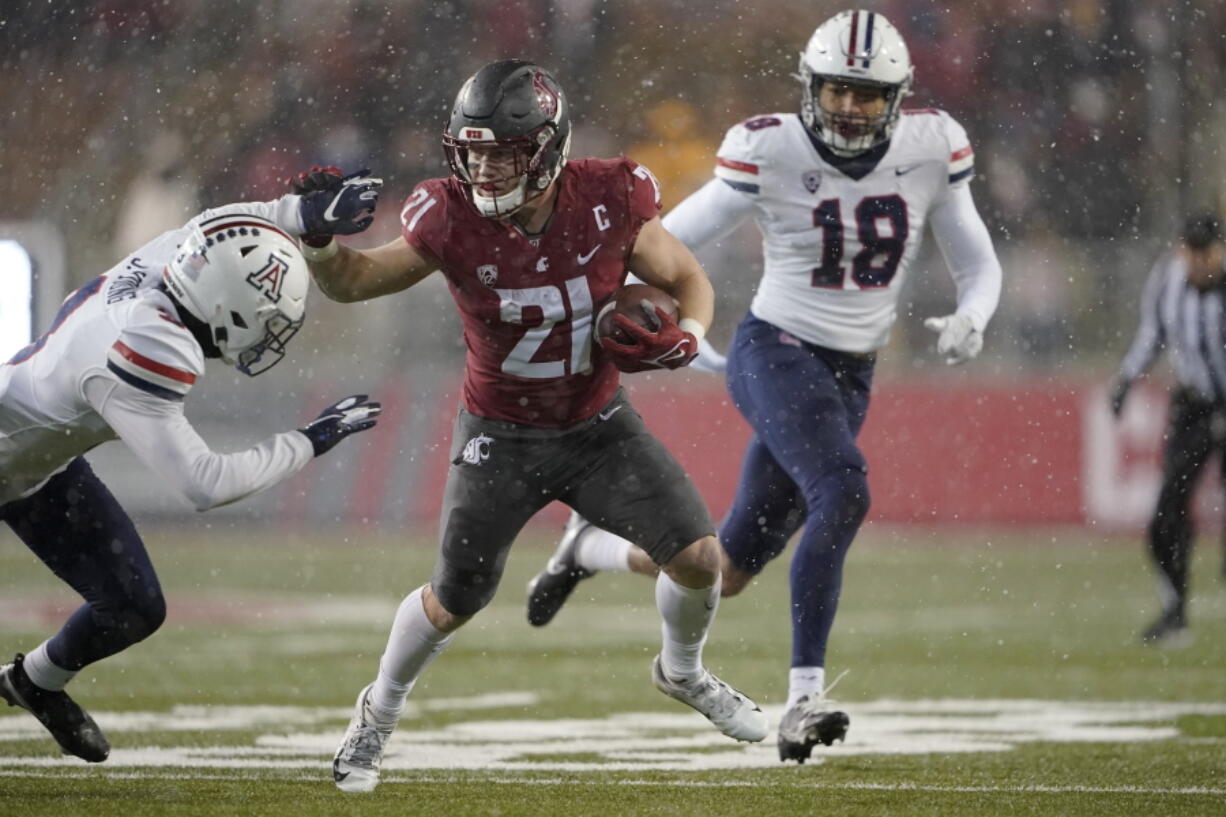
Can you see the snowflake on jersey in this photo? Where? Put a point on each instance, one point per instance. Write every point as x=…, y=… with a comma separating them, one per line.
x=839, y=235
x=527, y=301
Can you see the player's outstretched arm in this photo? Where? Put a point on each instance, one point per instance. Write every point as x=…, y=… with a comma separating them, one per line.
x=348, y=275
x=332, y=204
x=161, y=437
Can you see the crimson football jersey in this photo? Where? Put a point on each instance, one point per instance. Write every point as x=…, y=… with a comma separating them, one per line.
x=527, y=302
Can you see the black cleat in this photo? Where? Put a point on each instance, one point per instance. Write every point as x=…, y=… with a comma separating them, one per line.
x=807, y=724
x=1170, y=630
x=71, y=726
x=548, y=591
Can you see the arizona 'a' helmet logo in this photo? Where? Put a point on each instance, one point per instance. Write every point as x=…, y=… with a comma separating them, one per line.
x=269, y=278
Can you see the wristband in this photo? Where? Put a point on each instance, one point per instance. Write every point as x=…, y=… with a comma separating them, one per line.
x=315, y=255
x=694, y=327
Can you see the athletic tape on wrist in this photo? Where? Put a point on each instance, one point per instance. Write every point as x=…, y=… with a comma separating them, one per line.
x=317, y=254
x=693, y=327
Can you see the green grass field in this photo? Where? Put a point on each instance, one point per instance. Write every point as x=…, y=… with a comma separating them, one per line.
x=990, y=673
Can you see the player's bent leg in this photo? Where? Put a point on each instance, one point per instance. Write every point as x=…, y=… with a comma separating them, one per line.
x=420, y=633
x=549, y=589
x=71, y=726
x=687, y=595
x=583, y=551
x=732, y=578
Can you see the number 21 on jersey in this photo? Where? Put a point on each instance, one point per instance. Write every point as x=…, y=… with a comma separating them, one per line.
x=577, y=320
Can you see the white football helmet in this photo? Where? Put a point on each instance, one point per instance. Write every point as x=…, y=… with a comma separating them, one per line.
x=860, y=48
x=247, y=280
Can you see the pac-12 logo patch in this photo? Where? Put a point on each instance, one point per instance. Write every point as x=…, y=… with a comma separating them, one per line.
x=812, y=180
x=270, y=277
x=487, y=274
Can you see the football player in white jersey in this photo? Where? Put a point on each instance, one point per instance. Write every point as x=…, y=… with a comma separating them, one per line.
x=118, y=360
x=841, y=193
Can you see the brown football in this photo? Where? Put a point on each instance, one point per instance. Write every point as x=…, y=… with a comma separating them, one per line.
x=630, y=301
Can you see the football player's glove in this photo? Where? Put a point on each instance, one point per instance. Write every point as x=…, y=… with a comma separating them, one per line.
x=1119, y=394
x=958, y=341
x=709, y=360
x=339, y=420
x=668, y=347
x=332, y=204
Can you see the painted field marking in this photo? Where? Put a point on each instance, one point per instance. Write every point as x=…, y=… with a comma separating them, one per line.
x=678, y=740
x=1193, y=791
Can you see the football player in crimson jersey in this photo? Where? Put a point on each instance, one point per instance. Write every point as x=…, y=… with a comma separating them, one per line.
x=529, y=245
x=842, y=193
x=117, y=362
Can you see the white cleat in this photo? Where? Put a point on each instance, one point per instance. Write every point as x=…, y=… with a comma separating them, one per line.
x=810, y=721
x=727, y=708
x=355, y=768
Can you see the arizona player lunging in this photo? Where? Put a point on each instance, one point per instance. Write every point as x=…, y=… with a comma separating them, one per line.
x=529, y=244
x=842, y=194
x=118, y=361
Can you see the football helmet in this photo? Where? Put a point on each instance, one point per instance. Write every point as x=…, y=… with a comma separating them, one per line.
x=247, y=282
x=860, y=48
x=516, y=110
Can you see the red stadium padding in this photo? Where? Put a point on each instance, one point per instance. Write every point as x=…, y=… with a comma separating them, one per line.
x=943, y=451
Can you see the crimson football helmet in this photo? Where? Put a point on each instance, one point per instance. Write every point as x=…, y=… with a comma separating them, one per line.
x=514, y=110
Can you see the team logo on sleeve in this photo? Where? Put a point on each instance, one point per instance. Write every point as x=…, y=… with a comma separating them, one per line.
x=487, y=274
x=812, y=180
x=270, y=278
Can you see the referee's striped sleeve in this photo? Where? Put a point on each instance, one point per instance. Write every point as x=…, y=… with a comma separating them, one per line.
x=1151, y=335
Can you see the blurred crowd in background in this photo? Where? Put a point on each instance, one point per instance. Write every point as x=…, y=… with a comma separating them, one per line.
x=1097, y=125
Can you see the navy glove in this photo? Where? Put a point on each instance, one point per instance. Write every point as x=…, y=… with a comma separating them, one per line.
x=333, y=204
x=339, y=420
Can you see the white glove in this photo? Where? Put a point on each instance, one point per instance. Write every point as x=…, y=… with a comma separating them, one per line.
x=959, y=340
x=709, y=360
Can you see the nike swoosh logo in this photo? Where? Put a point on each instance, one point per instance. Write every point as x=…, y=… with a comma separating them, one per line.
x=604, y=415
x=583, y=259
x=330, y=213
x=903, y=171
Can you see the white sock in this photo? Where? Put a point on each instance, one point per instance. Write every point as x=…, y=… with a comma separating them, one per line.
x=413, y=643
x=687, y=615
x=43, y=672
x=805, y=681
x=600, y=550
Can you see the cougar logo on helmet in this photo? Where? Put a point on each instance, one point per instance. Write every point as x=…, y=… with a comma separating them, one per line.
x=545, y=96
x=509, y=136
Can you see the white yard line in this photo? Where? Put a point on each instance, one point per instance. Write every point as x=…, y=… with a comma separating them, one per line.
x=1194, y=791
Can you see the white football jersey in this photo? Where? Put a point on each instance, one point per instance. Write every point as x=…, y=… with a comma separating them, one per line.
x=837, y=249
x=117, y=362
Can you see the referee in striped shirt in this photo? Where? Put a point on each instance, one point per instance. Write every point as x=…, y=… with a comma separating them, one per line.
x=1183, y=310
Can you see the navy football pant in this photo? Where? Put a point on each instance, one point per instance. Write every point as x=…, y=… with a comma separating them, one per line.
x=78, y=529
x=802, y=469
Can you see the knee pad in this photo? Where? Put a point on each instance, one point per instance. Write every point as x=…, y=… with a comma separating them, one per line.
x=464, y=592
